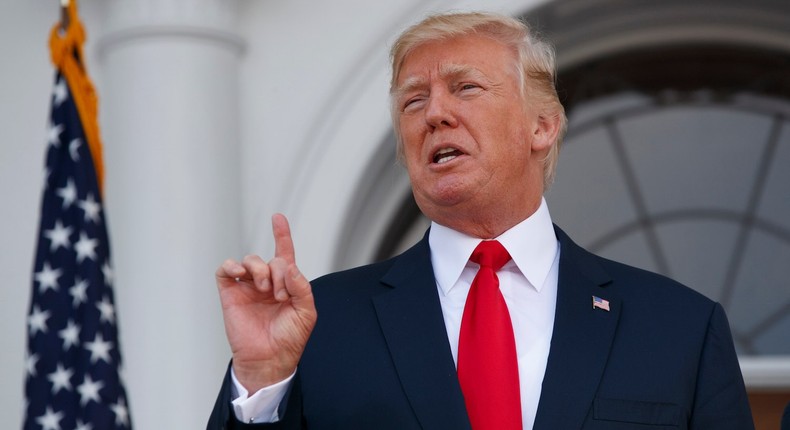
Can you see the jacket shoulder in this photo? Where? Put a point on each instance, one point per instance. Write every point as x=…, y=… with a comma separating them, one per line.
x=628, y=281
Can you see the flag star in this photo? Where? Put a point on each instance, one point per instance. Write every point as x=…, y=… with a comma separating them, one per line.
x=78, y=291
x=86, y=247
x=60, y=92
x=53, y=134
x=58, y=236
x=47, y=278
x=121, y=412
x=61, y=379
x=74, y=146
x=70, y=335
x=30, y=364
x=68, y=193
x=37, y=321
x=106, y=269
x=91, y=208
x=89, y=390
x=99, y=348
x=107, y=310
x=83, y=426
x=50, y=420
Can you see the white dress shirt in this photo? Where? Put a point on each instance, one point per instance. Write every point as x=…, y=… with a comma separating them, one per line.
x=528, y=283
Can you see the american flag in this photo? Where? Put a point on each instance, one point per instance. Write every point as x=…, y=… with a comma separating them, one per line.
x=73, y=357
x=600, y=303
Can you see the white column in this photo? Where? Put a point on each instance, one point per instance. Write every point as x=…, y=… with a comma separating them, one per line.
x=169, y=101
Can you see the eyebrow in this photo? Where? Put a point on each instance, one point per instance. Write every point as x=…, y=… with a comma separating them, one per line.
x=449, y=72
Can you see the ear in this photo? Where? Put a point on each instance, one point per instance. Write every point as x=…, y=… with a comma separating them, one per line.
x=545, y=131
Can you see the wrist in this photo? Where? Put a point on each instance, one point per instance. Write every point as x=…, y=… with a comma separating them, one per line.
x=254, y=376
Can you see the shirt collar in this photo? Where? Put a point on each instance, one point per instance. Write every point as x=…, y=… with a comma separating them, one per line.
x=531, y=243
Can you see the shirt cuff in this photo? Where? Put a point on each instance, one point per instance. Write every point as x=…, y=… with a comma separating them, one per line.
x=262, y=406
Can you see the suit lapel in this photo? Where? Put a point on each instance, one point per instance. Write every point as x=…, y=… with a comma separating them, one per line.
x=411, y=320
x=581, y=340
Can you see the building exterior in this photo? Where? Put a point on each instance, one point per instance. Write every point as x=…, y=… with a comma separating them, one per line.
x=217, y=114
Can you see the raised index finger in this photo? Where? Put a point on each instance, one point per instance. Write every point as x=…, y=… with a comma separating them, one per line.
x=283, y=244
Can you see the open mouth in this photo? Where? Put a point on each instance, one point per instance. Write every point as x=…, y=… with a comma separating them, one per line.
x=445, y=154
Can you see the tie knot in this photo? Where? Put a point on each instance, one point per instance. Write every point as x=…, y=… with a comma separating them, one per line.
x=490, y=253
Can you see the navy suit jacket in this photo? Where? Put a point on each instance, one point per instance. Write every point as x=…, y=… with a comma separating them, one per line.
x=662, y=357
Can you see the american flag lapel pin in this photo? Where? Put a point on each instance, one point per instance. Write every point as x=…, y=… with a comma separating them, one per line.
x=599, y=303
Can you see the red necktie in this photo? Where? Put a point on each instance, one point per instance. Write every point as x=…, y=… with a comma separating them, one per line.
x=487, y=362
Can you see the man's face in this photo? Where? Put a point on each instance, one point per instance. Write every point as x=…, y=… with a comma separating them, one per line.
x=469, y=140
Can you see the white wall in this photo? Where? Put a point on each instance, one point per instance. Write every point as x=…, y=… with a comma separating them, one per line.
x=185, y=191
x=25, y=85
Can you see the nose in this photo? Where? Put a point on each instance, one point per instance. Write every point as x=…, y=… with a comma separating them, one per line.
x=440, y=110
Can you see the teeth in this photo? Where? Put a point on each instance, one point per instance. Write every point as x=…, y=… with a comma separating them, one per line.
x=445, y=159
x=444, y=155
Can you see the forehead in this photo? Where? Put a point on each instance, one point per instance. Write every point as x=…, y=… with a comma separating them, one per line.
x=456, y=55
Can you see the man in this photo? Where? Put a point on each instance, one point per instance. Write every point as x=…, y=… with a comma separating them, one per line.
x=463, y=331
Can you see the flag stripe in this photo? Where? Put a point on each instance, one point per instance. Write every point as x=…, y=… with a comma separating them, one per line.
x=600, y=303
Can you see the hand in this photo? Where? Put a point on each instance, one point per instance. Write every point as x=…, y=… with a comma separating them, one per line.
x=268, y=311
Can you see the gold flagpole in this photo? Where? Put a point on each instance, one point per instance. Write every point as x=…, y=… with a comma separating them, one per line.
x=64, y=14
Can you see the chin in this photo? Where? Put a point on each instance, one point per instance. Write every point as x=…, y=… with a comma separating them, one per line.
x=437, y=206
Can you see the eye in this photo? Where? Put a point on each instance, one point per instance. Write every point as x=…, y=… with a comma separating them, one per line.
x=411, y=104
x=468, y=86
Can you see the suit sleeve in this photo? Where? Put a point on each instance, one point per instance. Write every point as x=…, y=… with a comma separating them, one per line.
x=223, y=418
x=720, y=402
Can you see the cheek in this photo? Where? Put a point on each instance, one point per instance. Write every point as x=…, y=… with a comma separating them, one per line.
x=409, y=126
x=516, y=130
x=410, y=155
x=411, y=140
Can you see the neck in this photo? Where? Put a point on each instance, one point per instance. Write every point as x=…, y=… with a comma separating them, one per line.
x=487, y=223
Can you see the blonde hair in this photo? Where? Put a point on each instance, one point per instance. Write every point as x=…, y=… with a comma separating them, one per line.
x=536, y=64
